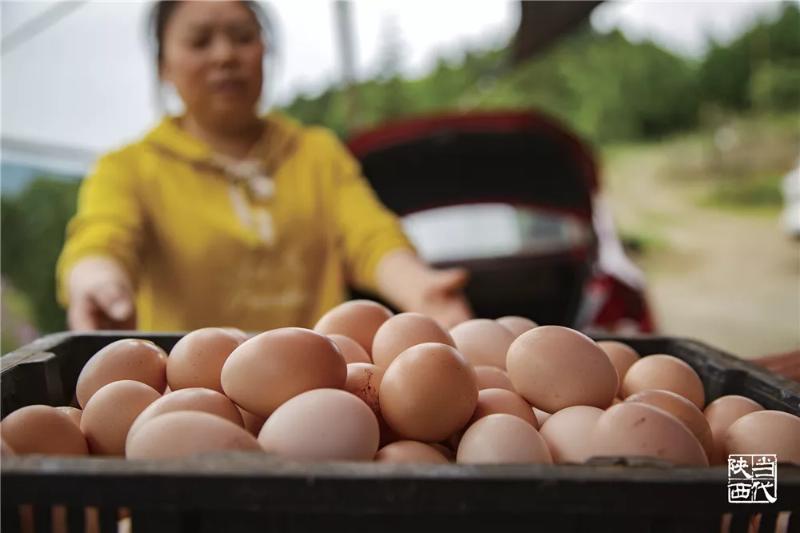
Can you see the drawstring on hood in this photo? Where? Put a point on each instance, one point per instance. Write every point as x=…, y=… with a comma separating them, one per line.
x=251, y=184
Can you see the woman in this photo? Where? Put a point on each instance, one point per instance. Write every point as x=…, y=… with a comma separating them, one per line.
x=220, y=217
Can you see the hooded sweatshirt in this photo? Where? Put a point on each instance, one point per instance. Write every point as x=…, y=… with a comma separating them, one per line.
x=267, y=242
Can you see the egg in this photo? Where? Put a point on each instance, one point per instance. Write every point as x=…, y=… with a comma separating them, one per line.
x=683, y=410
x=766, y=432
x=517, y=325
x=364, y=380
x=492, y=401
x=403, y=331
x=567, y=433
x=428, y=392
x=6, y=449
x=240, y=335
x=111, y=411
x=637, y=429
x=132, y=359
x=73, y=412
x=502, y=438
x=491, y=377
x=483, y=341
x=723, y=412
x=191, y=399
x=357, y=319
x=667, y=373
x=252, y=423
x=42, y=429
x=322, y=424
x=409, y=451
x=196, y=359
x=351, y=350
x=186, y=433
x=274, y=366
x=622, y=357
x=554, y=367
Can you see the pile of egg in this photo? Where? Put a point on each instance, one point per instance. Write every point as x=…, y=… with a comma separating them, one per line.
x=366, y=384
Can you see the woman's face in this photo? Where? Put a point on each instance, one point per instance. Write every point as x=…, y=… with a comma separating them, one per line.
x=212, y=53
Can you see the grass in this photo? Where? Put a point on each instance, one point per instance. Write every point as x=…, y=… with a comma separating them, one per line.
x=759, y=194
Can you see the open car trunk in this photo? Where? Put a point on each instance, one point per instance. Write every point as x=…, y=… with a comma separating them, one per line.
x=506, y=195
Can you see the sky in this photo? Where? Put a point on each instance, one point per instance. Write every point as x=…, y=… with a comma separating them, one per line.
x=88, y=81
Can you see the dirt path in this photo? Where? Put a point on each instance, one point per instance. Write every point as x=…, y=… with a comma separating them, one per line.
x=729, y=279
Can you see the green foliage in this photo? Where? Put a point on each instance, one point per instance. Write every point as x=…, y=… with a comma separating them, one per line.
x=32, y=237
x=776, y=86
x=726, y=73
x=603, y=86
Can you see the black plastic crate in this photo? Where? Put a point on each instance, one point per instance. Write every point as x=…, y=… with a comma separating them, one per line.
x=251, y=492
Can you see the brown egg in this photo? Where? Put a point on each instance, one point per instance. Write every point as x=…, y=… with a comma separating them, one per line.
x=403, y=331
x=502, y=438
x=428, y=392
x=277, y=365
x=73, y=412
x=186, y=433
x=197, y=358
x=664, y=372
x=622, y=357
x=491, y=377
x=133, y=359
x=554, y=367
x=541, y=416
x=491, y=401
x=252, y=423
x=638, y=429
x=322, y=424
x=357, y=319
x=240, y=335
x=517, y=325
x=6, y=449
x=720, y=414
x=683, y=410
x=110, y=413
x=42, y=429
x=409, y=451
x=567, y=433
x=351, y=350
x=364, y=380
x=483, y=342
x=766, y=432
x=191, y=399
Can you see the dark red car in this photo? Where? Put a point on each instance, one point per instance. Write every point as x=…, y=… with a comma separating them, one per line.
x=514, y=198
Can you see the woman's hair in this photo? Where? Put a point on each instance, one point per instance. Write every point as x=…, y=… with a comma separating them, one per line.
x=164, y=9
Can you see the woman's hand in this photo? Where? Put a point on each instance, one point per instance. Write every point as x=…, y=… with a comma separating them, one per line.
x=442, y=297
x=100, y=296
x=411, y=285
x=785, y=364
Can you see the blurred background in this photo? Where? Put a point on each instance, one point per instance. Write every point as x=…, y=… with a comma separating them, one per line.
x=692, y=110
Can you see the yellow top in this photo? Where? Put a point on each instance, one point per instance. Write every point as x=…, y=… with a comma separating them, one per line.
x=210, y=243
